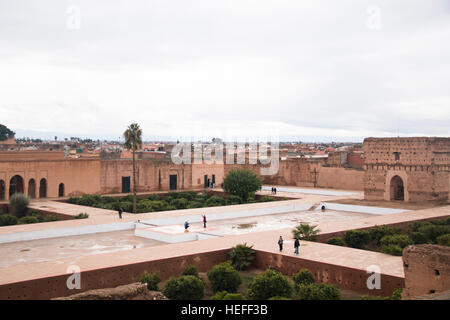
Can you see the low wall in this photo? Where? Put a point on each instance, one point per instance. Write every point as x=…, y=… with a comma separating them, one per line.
x=55, y=286
x=64, y=232
x=344, y=278
x=404, y=226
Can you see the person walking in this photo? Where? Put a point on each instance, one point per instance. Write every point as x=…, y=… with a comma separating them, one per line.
x=280, y=243
x=120, y=212
x=275, y=190
x=186, y=226
x=296, y=245
x=204, y=221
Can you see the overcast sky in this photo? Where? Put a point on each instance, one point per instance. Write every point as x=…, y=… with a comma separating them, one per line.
x=303, y=70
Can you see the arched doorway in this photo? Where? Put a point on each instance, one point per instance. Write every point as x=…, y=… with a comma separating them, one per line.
x=397, y=189
x=43, y=188
x=15, y=185
x=32, y=188
x=61, y=190
x=2, y=190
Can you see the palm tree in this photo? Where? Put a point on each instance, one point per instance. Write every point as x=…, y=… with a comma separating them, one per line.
x=305, y=232
x=133, y=142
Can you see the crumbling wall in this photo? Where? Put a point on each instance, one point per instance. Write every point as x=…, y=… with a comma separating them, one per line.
x=427, y=270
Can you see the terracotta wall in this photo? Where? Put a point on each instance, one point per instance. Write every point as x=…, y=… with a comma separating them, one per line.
x=427, y=270
x=78, y=176
x=200, y=170
x=422, y=163
x=304, y=173
x=340, y=178
x=52, y=287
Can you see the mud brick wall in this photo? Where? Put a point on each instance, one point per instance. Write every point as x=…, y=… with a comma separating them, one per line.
x=427, y=270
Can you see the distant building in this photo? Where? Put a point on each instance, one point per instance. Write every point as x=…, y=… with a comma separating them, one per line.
x=407, y=169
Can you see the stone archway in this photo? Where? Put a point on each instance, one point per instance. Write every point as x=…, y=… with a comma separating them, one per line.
x=15, y=185
x=397, y=189
x=43, y=188
x=2, y=190
x=61, y=190
x=32, y=188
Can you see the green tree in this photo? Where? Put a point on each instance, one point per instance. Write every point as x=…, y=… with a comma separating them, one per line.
x=242, y=256
x=305, y=232
x=133, y=142
x=184, y=288
x=20, y=203
x=223, y=277
x=242, y=183
x=269, y=284
x=304, y=276
x=5, y=133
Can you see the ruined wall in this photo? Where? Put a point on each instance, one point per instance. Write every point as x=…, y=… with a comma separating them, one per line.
x=422, y=164
x=427, y=270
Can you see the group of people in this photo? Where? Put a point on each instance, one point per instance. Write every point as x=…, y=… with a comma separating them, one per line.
x=296, y=244
x=186, y=223
x=280, y=240
x=274, y=190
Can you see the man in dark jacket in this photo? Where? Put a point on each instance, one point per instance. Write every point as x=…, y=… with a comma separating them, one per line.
x=296, y=245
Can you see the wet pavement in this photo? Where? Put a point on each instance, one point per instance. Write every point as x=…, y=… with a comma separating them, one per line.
x=278, y=221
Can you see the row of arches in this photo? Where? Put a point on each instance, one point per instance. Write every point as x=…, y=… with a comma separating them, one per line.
x=16, y=185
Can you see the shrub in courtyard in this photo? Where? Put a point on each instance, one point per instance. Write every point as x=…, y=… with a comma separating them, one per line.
x=184, y=288
x=215, y=201
x=232, y=199
x=304, y=276
x=7, y=220
x=269, y=284
x=267, y=199
x=194, y=204
x=190, y=271
x=306, y=232
x=443, y=240
x=336, y=241
x=28, y=220
x=357, y=238
x=223, y=277
x=381, y=231
x=127, y=206
x=433, y=231
x=418, y=237
x=81, y=216
x=188, y=195
x=224, y=295
x=151, y=280
x=179, y=203
x=242, y=183
x=317, y=291
x=242, y=256
x=393, y=249
x=400, y=240
x=20, y=203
